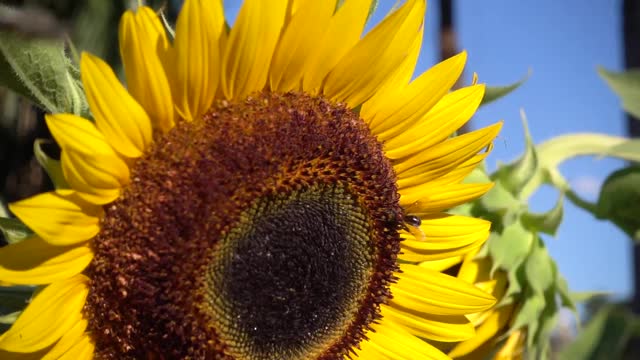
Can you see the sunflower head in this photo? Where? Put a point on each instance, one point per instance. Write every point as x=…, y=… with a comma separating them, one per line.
x=267, y=191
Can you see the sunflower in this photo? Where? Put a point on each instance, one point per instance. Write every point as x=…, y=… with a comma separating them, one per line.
x=264, y=191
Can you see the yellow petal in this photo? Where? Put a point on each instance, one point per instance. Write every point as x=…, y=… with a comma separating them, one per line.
x=60, y=217
x=391, y=341
x=475, y=269
x=343, y=32
x=442, y=264
x=98, y=179
x=364, y=69
x=252, y=41
x=425, y=200
x=445, y=229
x=412, y=254
x=51, y=314
x=68, y=341
x=5, y=355
x=35, y=262
x=403, y=108
x=455, y=175
x=513, y=348
x=296, y=45
x=484, y=332
x=79, y=134
x=445, y=156
x=196, y=56
x=429, y=326
x=89, y=163
x=428, y=291
x=124, y=123
x=398, y=80
x=84, y=349
x=438, y=124
x=142, y=40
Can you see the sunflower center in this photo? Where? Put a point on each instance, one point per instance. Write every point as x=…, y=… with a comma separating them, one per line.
x=266, y=230
x=295, y=265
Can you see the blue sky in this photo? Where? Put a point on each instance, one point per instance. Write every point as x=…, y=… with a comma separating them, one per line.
x=562, y=42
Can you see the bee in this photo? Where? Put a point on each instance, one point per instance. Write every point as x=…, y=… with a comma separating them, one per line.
x=412, y=225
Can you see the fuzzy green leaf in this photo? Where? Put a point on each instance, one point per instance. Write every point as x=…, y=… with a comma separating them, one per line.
x=51, y=166
x=493, y=93
x=627, y=86
x=619, y=199
x=41, y=71
x=14, y=230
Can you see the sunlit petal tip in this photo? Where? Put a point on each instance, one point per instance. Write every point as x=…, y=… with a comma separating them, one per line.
x=143, y=47
x=124, y=123
x=296, y=46
x=60, y=217
x=196, y=57
x=250, y=47
x=366, y=67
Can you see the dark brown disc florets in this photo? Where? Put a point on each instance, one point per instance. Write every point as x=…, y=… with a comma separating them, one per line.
x=268, y=229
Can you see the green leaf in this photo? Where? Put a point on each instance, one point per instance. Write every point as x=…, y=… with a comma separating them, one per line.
x=516, y=175
x=627, y=86
x=41, y=71
x=13, y=299
x=51, y=166
x=619, y=199
x=605, y=336
x=509, y=249
x=548, y=222
x=14, y=230
x=585, y=296
x=493, y=93
x=538, y=269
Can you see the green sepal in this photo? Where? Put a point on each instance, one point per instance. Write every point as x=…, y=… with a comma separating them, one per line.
x=547, y=222
x=499, y=199
x=537, y=267
x=50, y=165
x=40, y=70
x=509, y=249
x=515, y=176
x=493, y=93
